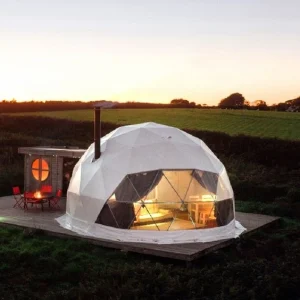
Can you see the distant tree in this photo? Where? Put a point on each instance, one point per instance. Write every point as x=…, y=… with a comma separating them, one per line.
x=282, y=106
x=292, y=105
x=192, y=104
x=246, y=105
x=296, y=101
x=179, y=102
x=260, y=104
x=235, y=100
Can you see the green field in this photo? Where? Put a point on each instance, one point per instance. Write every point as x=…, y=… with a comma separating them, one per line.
x=281, y=125
x=261, y=266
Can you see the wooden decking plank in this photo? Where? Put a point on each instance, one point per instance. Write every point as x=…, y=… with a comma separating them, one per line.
x=36, y=219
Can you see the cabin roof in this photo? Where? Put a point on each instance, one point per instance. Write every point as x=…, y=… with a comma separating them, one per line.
x=74, y=152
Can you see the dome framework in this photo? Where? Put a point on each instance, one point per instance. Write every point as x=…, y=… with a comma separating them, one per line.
x=153, y=183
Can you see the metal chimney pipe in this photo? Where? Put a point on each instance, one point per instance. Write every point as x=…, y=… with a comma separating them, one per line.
x=97, y=125
x=97, y=132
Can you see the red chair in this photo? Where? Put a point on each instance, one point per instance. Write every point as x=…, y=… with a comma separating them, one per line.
x=46, y=189
x=54, y=201
x=18, y=197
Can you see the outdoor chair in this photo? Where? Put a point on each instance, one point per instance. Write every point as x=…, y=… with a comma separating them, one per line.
x=46, y=189
x=54, y=201
x=18, y=197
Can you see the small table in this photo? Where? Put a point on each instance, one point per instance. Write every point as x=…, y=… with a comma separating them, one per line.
x=31, y=197
x=202, y=211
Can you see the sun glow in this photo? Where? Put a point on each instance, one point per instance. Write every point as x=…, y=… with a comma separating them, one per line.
x=96, y=51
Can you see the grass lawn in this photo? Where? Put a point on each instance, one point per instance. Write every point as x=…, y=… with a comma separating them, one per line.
x=281, y=125
x=264, y=265
x=261, y=266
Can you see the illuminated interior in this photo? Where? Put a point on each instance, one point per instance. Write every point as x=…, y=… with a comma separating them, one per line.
x=177, y=200
x=40, y=169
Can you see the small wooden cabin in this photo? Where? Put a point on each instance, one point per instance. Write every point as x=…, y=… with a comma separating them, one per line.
x=48, y=166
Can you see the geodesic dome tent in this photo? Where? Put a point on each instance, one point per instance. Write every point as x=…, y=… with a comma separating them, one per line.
x=153, y=183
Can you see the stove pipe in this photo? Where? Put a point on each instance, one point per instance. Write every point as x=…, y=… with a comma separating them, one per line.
x=97, y=132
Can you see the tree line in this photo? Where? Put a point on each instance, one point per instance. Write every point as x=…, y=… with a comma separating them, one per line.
x=238, y=101
x=261, y=169
x=233, y=101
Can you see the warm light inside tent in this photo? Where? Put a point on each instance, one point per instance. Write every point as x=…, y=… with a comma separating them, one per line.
x=176, y=197
x=146, y=210
x=208, y=197
x=153, y=215
x=147, y=206
x=158, y=175
x=179, y=200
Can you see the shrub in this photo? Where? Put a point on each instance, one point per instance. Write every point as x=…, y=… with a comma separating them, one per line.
x=72, y=271
x=251, y=191
x=294, y=195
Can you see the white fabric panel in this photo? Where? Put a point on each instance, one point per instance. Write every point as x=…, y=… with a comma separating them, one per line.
x=232, y=230
x=197, y=157
x=224, y=189
x=121, y=130
x=194, y=139
x=88, y=173
x=75, y=181
x=134, y=149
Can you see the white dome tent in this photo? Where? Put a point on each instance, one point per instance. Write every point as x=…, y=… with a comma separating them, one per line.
x=154, y=184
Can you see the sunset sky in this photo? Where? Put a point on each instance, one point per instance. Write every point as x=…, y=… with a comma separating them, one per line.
x=149, y=51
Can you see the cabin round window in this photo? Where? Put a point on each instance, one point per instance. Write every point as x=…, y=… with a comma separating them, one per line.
x=40, y=169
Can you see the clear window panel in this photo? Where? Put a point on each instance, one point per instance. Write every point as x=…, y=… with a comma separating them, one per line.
x=197, y=193
x=151, y=216
x=203, y=214
x=180, y=181
x=166, y=193
x=167, y=200
x=182, y=219
x=117, y=214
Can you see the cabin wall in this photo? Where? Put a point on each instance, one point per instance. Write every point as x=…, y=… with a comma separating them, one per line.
x=57, y=172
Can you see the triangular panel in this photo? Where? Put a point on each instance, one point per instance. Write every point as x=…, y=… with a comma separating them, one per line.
x=145, y=182
x=180, y=180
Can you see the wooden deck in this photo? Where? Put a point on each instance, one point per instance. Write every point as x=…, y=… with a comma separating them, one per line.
x=44, y=220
